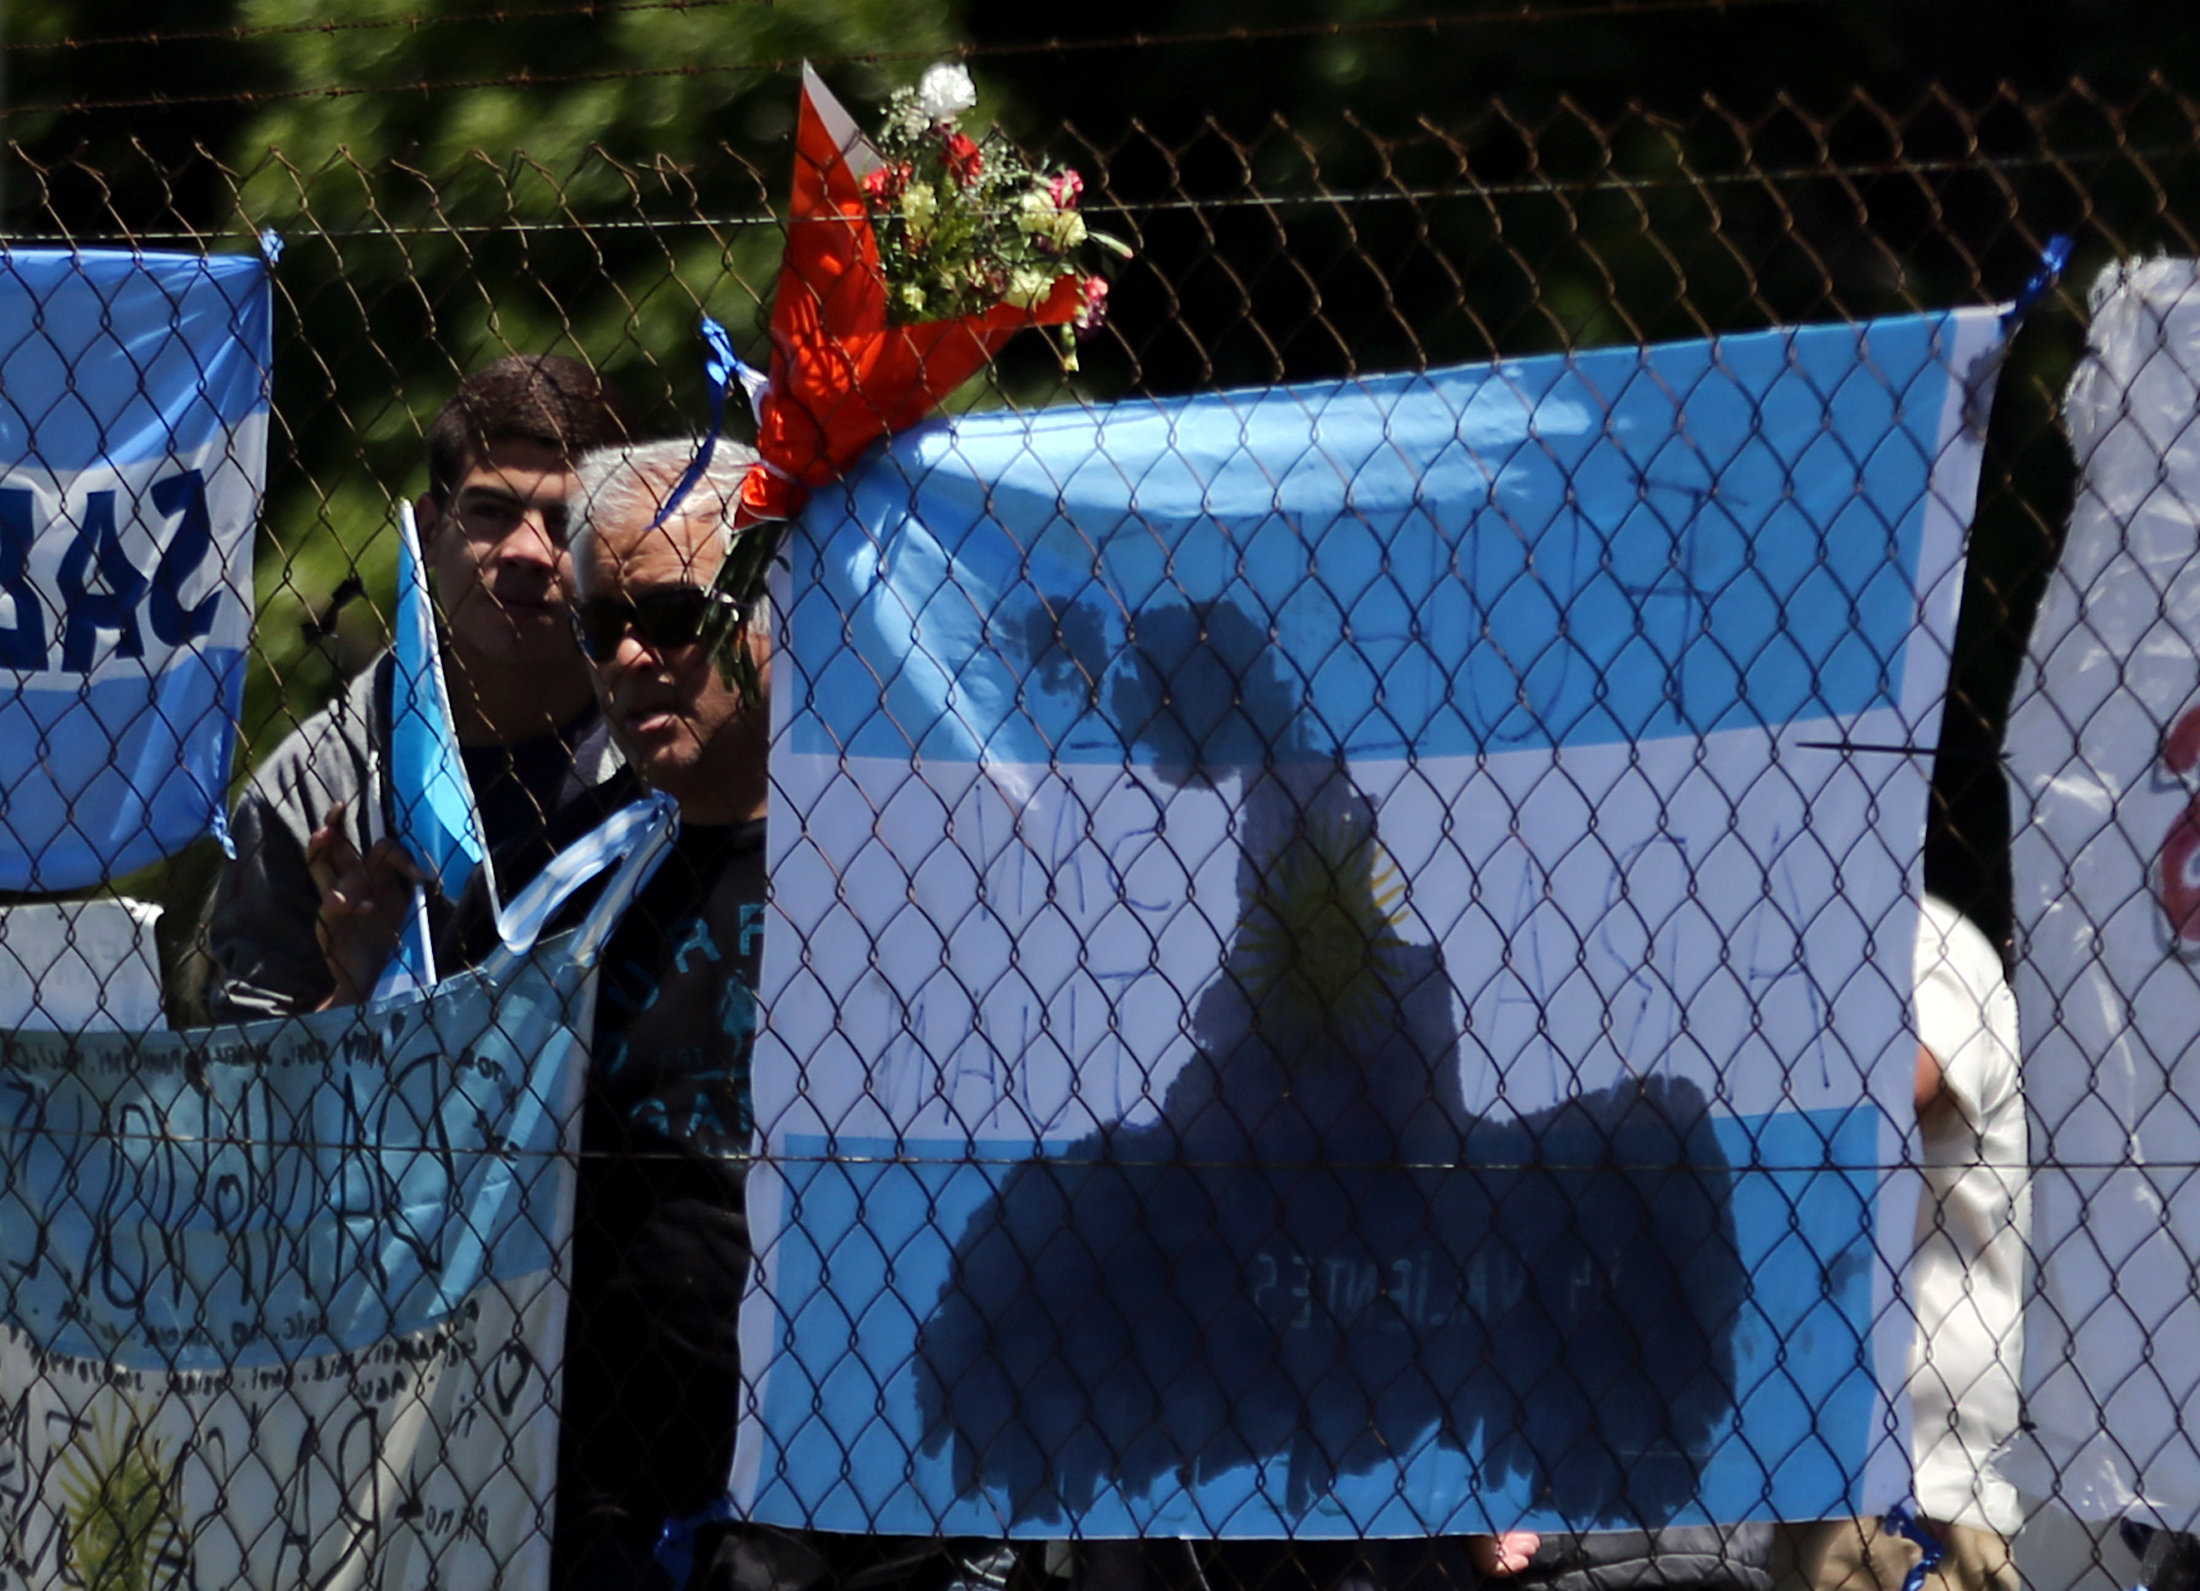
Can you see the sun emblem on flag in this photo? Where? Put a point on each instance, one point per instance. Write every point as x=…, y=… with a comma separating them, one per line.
x=126, y=1530
x=1320, y=946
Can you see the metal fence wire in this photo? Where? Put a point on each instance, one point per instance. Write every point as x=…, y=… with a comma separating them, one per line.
x=287, y=1304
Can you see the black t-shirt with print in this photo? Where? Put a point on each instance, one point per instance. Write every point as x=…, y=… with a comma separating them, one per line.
x=661, y=1244
x=660, y=1227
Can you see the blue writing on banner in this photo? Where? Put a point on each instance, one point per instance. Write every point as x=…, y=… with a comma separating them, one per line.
x=99, y=589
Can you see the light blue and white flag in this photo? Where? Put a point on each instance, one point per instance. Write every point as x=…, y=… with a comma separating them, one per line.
x=284, y=1304
x=133, y=432
x=1343, y=953
x=435, y=815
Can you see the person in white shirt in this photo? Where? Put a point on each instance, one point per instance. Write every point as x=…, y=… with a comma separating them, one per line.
x=1965, y=1284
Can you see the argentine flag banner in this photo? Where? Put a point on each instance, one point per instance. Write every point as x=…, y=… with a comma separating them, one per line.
x=285, y=1303
x=1343, y=953
x=133, y=438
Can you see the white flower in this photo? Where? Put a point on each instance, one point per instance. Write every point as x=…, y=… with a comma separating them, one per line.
x=945, y=92
x=911, y=296
x=1027, y=287
x=1054, y=228
x=905, y=115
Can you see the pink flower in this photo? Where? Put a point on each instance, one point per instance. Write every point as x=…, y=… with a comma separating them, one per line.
x=1094, y=314
x=884, y=184
x=1066, y=190
x=964, y=158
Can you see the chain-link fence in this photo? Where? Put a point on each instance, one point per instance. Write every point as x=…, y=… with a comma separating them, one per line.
x=1210, y=1086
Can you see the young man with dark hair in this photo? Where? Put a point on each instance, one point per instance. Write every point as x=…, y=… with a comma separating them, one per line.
x=318, y=884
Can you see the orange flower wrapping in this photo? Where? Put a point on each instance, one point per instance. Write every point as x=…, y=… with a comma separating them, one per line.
x=842, y=378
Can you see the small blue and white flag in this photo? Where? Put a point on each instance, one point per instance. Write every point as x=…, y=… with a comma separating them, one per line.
x=435, y=816
x=1342, y=954
x=133, y=439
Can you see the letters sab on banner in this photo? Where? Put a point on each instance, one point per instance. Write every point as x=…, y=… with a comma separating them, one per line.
x=1565, y=698
x=133, y=422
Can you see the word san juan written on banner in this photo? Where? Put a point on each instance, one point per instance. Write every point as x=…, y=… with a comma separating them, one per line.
x=89, y=583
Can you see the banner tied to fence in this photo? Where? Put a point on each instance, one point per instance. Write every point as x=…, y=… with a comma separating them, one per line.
x=2104, y=751
x=133, y=419
x=1342, y=954
x=286, y=1302
x=281, y=1307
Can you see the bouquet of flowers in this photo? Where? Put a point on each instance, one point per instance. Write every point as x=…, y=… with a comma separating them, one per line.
x=909, y=263
x=964, y=224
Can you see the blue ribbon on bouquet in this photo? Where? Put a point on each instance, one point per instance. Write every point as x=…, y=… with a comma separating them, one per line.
x=722, y=368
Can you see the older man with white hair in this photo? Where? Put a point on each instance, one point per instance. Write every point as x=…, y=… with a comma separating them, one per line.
x=661, y=1245
x=661, y=1252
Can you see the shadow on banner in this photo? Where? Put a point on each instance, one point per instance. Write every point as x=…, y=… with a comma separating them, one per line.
x=1347, y=949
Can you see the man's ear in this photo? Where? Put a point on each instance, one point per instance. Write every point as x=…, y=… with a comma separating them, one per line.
x=427, y=518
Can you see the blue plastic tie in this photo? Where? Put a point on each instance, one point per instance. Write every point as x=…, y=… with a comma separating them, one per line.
x=1903, y=1521
x=675, y=1550
x=271, y=245
x=720, y=367
x=2053, y=259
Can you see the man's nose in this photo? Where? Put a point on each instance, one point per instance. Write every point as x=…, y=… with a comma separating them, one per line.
x=633, y=652
x=537, y=538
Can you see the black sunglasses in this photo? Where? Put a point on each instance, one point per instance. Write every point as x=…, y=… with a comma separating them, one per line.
x=665, y=619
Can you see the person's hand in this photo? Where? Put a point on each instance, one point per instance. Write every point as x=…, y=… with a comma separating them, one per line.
x=1497, y=1556
x=364, y=903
